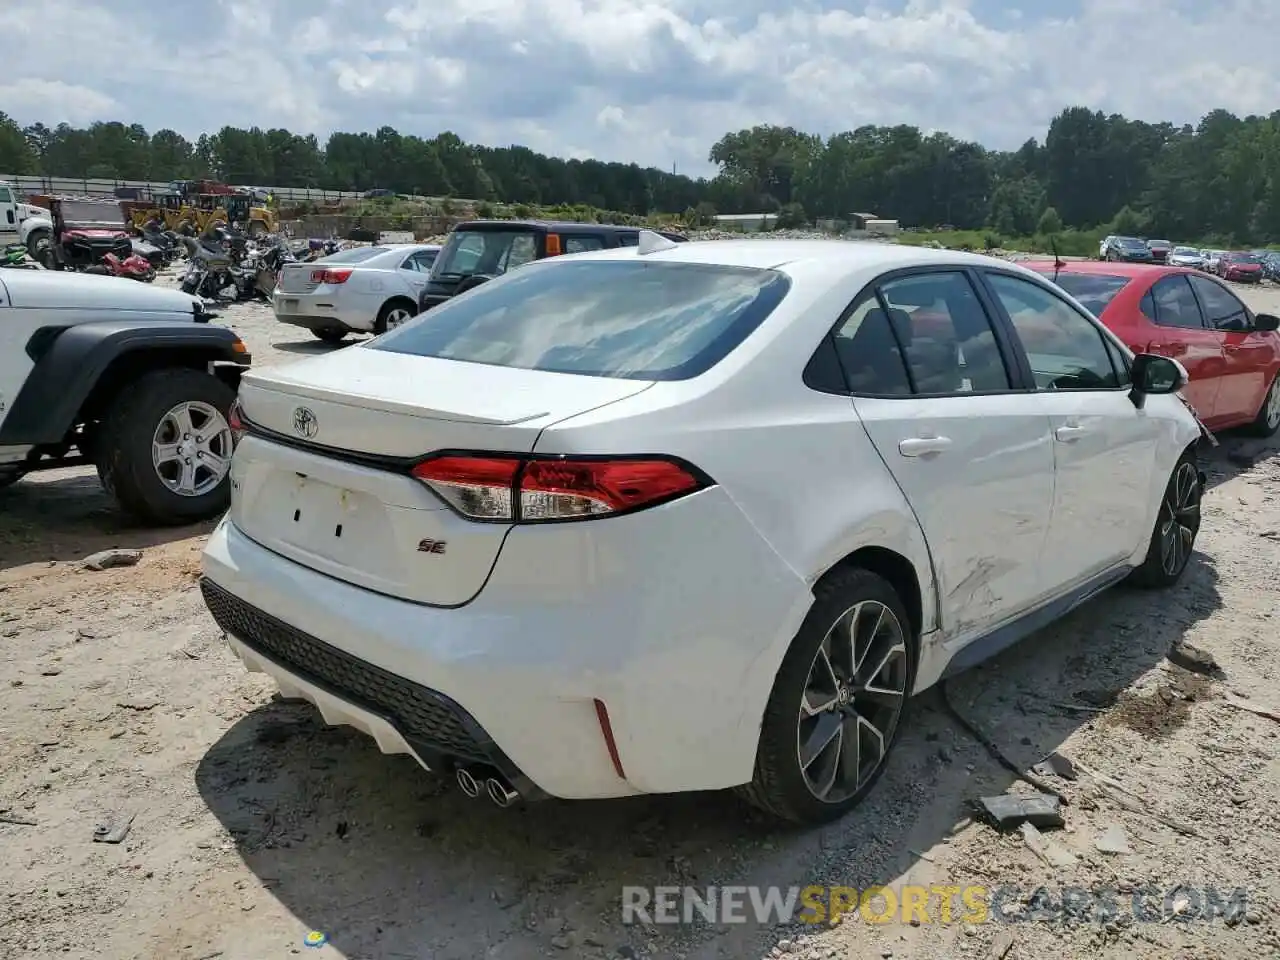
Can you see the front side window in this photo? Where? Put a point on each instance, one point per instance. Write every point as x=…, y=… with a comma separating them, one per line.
x=949, y=342
x=420, y=261
x=603, y=318
x=1221, y=307
x=1066, y=350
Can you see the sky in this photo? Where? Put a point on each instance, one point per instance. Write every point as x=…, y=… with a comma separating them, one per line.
x=656, y=82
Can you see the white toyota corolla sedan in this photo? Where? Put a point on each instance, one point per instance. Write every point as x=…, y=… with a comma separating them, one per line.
x=361, y=290
x=689, y=516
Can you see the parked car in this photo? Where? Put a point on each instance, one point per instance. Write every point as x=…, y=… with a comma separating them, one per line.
x=1213, y=259
x=479, y=250
x=1231, y=354
x=360, y=290
x=1271, y=266
x=1159, y=250
x=129, y=378
x=688, y=516
x=1240, y=267
x=1186, y=257
x=1128, y=250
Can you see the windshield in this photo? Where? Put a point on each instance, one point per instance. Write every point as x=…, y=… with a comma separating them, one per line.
x=1185, y=252
x=1242, y=258
x=1132, y=242
x=354, y=255
x=86, y=212
x=491, y=252
x=599, y=318
x=1163, y=244
x=1093, y=290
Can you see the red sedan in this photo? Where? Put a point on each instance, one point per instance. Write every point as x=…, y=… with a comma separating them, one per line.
x=1231, y=354
x=1241, y=267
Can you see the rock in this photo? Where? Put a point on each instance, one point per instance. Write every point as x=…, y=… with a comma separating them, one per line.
x=1190, y=657
x=1113, y=840
x=1052, y=853
x=106, y=559
x=563, y=941
x=1001, y=945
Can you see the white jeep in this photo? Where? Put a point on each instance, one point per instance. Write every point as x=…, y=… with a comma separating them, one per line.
x=129, y=378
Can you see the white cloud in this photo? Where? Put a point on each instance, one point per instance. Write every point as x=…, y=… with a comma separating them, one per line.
x=655, y=81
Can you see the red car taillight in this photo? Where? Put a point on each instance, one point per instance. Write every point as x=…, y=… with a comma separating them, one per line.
x=330, y=276
x=235, y=420
x=516, y=489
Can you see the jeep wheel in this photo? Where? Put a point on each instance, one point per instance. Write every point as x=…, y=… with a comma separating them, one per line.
x=166, y=447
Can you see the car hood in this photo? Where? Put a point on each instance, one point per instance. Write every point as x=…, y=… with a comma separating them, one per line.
x=60, y=290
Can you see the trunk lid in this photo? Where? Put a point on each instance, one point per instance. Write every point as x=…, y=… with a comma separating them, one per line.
x=331, y=489
x=296, y=277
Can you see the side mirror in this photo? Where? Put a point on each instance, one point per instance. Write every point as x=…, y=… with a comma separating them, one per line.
x=1265, y=322
x=1153, y=375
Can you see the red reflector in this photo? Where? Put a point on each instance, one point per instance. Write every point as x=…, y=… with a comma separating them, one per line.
x=611, y=744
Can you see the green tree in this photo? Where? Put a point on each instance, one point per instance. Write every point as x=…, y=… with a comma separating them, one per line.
x=1049, y=222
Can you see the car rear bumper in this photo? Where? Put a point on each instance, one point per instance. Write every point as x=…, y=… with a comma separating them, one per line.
x=678, y=637
x=316, y=312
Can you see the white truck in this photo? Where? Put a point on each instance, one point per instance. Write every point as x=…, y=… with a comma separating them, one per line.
x=21, y=222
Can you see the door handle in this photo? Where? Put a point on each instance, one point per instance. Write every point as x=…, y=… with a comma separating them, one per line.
x=923, y=446
x=1231, y=348
x=1070, y=433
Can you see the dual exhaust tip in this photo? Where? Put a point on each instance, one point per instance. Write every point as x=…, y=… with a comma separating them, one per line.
x=471, y=782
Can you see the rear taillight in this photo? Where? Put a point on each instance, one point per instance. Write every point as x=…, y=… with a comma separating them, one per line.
x=235, y=420
x=515, y=489
x=330, y=276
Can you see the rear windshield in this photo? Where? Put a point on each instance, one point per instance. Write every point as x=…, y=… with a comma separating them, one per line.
x=354, y=255
x=1131, y=242
x=491, y=252
x=1243, y=258
x=1093, y=290
x=600, y=318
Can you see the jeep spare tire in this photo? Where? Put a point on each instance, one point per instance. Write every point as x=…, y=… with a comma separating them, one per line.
x=165, y=448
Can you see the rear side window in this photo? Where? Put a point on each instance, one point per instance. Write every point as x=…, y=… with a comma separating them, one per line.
x=1093, y=290
x=583, y=244
x=1175, y=304
x=601, y=318
x=489, y=252
x=949, y=341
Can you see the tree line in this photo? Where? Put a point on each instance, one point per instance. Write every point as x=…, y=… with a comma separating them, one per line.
x=1217, y=179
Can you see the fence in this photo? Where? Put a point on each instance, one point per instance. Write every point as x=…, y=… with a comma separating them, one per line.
x=106, y=188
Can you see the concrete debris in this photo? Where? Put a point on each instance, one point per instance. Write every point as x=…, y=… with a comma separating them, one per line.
x=1010, y=810
x=1113, y=840
x=107, y=559
x=1050, y=851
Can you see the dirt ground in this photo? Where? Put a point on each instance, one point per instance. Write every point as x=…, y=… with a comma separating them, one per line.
x=254, y=824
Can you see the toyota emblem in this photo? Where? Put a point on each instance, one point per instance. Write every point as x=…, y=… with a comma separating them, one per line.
x=305, y=423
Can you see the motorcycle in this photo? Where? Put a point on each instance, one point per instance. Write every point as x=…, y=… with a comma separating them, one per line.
x=132, y=267
x=211, y=271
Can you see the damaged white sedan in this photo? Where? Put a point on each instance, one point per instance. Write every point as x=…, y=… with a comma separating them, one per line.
x=688, y=516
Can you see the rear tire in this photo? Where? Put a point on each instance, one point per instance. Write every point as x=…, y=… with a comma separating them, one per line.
x=1267, y=421
x=394, y=313
x=135, y=451
x=849, y=673
x=330, y=335
x=1177, y=522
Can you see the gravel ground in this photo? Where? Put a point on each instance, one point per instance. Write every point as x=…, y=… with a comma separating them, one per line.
x=253, y=823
